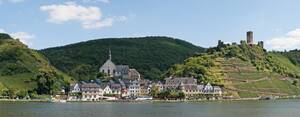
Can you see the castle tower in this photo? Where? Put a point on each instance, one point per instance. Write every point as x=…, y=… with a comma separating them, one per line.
x=261, y=44
x=250, y=37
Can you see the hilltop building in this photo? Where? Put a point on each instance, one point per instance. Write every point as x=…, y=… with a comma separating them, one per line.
x=250, y=37
x=250, y=40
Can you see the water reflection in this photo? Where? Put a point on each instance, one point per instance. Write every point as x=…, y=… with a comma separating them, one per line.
x=278, y=108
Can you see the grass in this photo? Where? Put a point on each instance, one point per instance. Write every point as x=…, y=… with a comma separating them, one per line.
x=286, y=62
x=20, y=81
x=244, y=94
x=271, y=85
x=248, y=76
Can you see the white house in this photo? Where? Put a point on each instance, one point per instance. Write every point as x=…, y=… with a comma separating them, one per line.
x=217, y=90
x=208, y=89
x=91, y=92
x=134, y=89
x=75, y=88
x=74, y=95
x=107, y=90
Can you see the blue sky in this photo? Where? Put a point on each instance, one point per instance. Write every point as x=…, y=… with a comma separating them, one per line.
x=49, y=23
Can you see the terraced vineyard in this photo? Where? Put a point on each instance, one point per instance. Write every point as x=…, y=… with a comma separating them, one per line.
x=244, y=79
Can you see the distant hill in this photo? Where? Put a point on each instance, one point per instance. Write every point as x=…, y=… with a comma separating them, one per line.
x=24, y=69
x=292, y=55
x=151, y=56
x=243, y=70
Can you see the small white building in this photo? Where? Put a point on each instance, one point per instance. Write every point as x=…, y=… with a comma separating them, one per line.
x=134, y=89
x=217, y=90
x=74, y=94
x=75, y=88
x=107, y=90
x=209, y=89
x=91, y=92
x=116, y=89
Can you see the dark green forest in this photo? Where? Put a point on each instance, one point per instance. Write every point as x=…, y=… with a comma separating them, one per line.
x=151, y=56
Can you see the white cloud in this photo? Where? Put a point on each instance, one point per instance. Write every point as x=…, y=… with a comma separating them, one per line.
x=24, y=37
x=290, y=41
x=89, y=17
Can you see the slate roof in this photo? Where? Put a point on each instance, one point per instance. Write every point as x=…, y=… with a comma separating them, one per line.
x=108, y=64
x=190, y=87
x=123, y=69
x=175, y=82
x=90, y=87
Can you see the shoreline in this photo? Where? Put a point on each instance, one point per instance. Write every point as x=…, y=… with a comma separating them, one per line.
x=153, y=101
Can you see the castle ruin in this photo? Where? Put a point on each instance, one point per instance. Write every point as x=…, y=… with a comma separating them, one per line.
x=250, y=40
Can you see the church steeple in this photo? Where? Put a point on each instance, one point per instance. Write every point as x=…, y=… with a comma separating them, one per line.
x=109, y=54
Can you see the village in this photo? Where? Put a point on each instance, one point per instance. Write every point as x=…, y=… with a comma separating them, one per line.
x=126, y=84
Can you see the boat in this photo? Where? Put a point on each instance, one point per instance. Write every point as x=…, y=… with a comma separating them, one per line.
x=144, y=98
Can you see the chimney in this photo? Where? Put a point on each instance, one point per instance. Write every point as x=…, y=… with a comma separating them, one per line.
x=249, y=37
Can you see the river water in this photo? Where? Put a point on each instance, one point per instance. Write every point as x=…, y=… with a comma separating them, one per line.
x=272, y=108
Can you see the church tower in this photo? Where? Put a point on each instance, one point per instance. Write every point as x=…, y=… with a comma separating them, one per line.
x=109, y=54
x=250, y=37
x=108, y=67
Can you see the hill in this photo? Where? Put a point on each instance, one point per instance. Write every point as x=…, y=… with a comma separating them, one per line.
x=25, y=70
x=292, y=55
x=243, y=70
x=151, y=56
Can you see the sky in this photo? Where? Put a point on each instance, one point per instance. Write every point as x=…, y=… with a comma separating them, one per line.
x=50, y=23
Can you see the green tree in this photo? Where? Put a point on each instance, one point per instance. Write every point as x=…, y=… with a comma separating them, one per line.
x=22, y=94
x=12, y=93
x=82, y=72
x=181, y=95
x=295, y=82
x=5, y=92
x=48, y=81
x=154, y=91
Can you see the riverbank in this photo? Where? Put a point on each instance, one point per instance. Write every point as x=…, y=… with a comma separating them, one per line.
x=155, y=100
x=24, y=100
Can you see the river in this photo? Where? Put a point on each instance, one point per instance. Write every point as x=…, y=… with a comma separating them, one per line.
x=271, y=108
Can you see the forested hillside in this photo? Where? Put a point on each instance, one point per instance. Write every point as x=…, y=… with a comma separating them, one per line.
x=292, y=55
x=151, y=56
x=24, y=71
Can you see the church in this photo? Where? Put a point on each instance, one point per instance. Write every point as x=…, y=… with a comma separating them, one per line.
x=120, y=71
